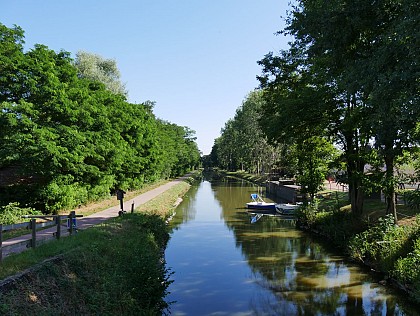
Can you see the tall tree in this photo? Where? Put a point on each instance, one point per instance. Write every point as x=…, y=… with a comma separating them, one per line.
x=332, y=58
x=242, y=144
x=97, y=68
x=72, y=140
x=394, y=67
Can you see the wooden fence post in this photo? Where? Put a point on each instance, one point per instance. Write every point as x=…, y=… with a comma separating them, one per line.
x=1, y=242
x=33, y=227
x=72, y=216
x=58, y=222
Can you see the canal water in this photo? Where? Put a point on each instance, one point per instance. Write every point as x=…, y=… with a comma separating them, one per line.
x=223, y=264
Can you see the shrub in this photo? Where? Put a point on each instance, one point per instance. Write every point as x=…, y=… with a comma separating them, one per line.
x=382, y=244
x=412, y=198
x=337, y=225
x=12, y=213
x=407, y=270
x=60, y=196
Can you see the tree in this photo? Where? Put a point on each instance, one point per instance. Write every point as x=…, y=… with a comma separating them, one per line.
x=318, y=78
x=394, y=82
x=97, y=68
x=242, y=144
x=69, y=139
x=313, y=158
x=11, y=61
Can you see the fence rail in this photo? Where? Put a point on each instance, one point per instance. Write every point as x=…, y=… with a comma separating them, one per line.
x=56, y=220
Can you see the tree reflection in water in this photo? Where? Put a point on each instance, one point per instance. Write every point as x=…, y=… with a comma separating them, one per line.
x=296, y=275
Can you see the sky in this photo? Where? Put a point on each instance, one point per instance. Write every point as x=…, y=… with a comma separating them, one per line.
x=197, y=59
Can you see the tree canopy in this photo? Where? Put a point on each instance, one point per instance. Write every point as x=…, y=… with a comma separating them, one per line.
x=351, y=73
x=350, y=77
x=70, y=138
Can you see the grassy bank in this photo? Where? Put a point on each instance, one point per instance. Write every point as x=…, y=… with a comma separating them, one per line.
x=114, y=268
x=372, y=239
x=259, y=179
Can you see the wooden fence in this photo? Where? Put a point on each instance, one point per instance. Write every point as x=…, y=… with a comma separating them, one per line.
x=51, y=220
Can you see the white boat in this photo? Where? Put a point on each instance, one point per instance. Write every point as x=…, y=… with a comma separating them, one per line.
x=282, y=208
x=286, y=208
x=259, y=204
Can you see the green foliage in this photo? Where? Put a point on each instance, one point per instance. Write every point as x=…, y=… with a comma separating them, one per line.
x=382, y=244
x=177, y=147
x=72, y=137
x=61, y=195
x=12, y=213
x=351, y=79
x=242, y=144
x=116, y=268
x=407, y=269
x=325, y=223
x=412, y=198
x=313, y=157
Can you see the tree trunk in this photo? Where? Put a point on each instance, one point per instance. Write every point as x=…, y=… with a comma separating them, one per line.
x=355, y=169
x=389, y=188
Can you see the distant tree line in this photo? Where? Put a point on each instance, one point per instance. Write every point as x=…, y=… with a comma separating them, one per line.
x=68, y=134
x=350, y=78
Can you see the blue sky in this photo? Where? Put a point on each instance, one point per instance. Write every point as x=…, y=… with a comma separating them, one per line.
x=197, y=59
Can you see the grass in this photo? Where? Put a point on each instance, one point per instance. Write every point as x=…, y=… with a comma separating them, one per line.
x=113, y=268
x=91, y=208
x=162, y=206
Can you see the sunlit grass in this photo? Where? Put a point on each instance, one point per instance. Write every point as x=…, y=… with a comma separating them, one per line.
x=162, y=206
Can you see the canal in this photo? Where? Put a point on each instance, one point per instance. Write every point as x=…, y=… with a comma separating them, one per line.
x=223, y=264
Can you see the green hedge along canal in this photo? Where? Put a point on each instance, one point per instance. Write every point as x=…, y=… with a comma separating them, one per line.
x=223, y=264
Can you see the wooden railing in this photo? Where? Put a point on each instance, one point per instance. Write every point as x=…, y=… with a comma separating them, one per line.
x=56, y=220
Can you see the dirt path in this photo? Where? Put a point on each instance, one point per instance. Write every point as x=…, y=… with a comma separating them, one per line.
x=18, y=244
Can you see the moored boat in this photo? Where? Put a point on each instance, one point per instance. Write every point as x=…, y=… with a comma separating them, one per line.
x=286, y=208
x=259, y=204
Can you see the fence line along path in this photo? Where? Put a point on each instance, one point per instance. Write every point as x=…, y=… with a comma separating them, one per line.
x=17, y=244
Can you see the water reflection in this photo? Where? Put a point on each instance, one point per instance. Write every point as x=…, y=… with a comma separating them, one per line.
x=225, y=265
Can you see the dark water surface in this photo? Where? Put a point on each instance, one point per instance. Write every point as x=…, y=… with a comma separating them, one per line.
x=224, y=265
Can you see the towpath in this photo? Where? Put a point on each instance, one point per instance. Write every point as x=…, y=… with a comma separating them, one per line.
x=17, y=244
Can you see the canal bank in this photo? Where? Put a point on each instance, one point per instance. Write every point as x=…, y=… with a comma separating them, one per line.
x=113, y=268
x=224, y=263
x=389, y=251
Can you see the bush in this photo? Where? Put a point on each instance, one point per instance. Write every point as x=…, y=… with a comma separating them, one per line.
x=326, y=223
x=407, y=270
x=60, y=196
x=412, y=198
x=381, y=245
x=12, y=213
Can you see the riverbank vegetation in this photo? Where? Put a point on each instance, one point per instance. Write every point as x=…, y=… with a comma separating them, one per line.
x=342, y=103
x=374, y=240
x=116, y=267
x=68, y=134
